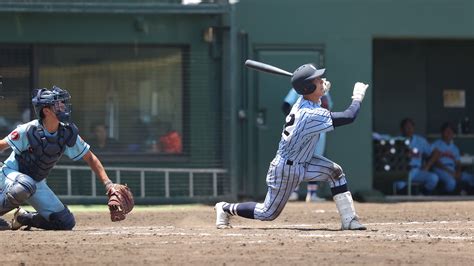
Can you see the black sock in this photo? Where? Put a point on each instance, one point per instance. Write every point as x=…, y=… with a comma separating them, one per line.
x=339, y=189
x=245, y=209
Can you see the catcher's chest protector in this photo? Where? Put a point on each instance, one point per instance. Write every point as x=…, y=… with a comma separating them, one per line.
x=45, y=151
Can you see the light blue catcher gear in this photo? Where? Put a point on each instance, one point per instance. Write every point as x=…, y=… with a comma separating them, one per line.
x=21, y=190
x=56, y=98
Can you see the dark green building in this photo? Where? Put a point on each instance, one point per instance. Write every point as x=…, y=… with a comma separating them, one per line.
x=190, y=122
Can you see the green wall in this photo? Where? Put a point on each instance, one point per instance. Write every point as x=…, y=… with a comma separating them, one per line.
x=167, y=29
x=346, y=29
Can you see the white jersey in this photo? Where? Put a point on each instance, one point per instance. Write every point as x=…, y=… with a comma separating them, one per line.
x=301, y=131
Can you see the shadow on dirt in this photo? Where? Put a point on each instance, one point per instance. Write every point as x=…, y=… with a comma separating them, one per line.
x=291, y=228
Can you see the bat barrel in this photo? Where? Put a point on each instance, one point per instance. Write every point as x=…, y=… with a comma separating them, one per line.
x=266, y=68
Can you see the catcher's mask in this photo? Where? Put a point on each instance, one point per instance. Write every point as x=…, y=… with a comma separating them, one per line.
x=56, y=98
x=302, y=79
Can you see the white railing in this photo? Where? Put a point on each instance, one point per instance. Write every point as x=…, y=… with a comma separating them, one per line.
x=118, y=170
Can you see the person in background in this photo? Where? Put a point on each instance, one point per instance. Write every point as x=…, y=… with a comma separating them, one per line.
x=422, y=158
x=448, y=166
x=101, y=142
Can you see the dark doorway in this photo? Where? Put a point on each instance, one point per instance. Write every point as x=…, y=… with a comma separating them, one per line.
x=411, y=79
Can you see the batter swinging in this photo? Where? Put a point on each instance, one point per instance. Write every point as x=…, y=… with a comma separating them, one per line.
x=294, y=161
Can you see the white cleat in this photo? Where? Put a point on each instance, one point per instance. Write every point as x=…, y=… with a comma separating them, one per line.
x=293, y=196
x=15, y=224
x=354, y=224
x=313, y=197
x=222, y=218
x=345, y=207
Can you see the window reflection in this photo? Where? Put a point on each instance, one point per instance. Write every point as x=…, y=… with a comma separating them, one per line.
x=134, y=91
x=15, y=70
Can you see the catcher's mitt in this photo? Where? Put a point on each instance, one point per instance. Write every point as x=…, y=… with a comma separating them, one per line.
x=120, y=201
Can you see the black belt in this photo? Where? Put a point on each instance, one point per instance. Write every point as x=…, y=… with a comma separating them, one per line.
x=290, y=162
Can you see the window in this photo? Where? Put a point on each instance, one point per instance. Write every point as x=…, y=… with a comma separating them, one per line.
x=131, y=95
x=15, y=70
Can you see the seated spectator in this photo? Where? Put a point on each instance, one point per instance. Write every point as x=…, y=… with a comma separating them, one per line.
x=100, y=141
x=171, y=142
x=448, y=166
x=422, y=158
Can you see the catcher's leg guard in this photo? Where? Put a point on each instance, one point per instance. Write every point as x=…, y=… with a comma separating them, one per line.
x=4, y=225
x=63, y=220
x=21, y=190
x=345, y=206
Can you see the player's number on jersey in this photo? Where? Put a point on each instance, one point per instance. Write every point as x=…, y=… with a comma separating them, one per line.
x=289, y=126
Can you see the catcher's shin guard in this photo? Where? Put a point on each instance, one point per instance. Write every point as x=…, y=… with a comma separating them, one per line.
x=63, y=220
x=4, y=225
x=345, y=206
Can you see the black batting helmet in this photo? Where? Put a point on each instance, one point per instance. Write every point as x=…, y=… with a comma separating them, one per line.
x=302, y=79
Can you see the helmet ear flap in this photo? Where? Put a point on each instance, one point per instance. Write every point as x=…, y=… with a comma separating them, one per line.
x=303, y=77
x=311, y=87
x=38, y=102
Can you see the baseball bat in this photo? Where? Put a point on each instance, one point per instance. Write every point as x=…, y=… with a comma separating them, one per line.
x=267, y=68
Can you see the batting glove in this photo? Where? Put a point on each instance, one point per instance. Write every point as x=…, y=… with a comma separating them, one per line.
x=359, y=91
x=326, y=85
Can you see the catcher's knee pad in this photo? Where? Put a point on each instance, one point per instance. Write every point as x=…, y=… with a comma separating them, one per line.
x=21, y=190
x=63, y=220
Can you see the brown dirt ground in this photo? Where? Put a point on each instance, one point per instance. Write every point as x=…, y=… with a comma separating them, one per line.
x=305, y=233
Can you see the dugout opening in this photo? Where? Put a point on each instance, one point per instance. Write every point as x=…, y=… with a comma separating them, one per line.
x=428, y=80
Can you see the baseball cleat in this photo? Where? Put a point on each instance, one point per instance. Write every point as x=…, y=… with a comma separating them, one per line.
x=15, y=223
x=4, y=225
x=313, y=197
x=294, y=196
x=222, y=218
x=354, y=224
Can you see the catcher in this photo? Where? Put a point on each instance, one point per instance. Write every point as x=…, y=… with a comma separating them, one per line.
x=37, y=147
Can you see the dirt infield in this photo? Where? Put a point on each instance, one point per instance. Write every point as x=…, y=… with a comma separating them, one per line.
x=304, y=234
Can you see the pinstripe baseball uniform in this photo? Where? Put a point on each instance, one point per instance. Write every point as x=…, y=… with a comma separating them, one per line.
x=327, y=103
x=295, y=161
